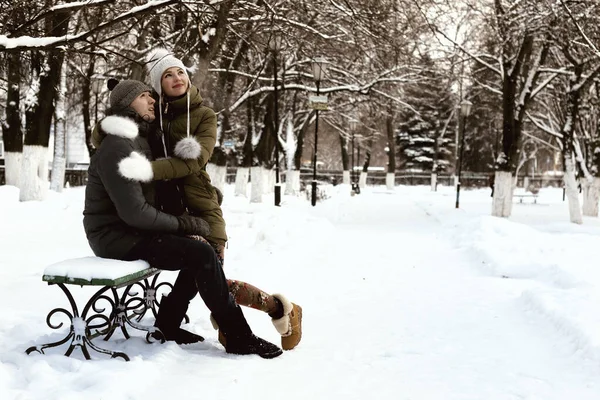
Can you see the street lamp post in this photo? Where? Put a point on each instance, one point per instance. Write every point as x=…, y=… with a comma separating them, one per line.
x=465, y=109
x=319, y=66
x=275, y=46
x=354, y=185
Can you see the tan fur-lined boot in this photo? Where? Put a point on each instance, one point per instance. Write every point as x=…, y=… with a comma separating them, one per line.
x=222, y=339
x=290, y=325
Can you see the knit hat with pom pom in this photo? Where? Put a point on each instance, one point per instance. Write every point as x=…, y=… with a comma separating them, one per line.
x=123, y=93
x=159, y=60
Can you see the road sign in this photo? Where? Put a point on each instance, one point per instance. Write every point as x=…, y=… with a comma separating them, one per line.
x=317, y=102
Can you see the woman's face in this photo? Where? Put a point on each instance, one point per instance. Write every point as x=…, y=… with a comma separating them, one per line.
x=174, y=82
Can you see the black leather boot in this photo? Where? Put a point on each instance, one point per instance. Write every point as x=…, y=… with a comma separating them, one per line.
x=239, y=338
x=170, y=315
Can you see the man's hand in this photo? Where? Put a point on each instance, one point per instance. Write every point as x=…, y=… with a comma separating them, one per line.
x=193, y=225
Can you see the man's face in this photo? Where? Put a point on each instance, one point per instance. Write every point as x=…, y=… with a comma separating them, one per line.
x=144, y=106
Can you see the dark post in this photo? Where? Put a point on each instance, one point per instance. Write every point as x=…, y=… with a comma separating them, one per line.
x=313, y=198
x=276, y=132
x=460, y=158
x=352, y=176
x=465, y=109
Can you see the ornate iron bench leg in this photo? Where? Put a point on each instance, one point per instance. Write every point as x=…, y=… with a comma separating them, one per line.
x=150, y=299
x=81, y=326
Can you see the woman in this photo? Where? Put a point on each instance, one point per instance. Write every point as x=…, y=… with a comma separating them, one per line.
x=190, y=132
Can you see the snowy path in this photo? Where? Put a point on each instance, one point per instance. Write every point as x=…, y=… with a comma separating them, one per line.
x=394, y=308
x=443, y=330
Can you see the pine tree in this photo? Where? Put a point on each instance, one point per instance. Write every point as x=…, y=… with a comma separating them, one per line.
x=422, y=127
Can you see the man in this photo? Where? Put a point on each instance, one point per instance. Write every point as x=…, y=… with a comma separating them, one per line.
x=121, y=223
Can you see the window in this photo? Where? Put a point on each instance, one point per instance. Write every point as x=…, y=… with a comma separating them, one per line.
x=1, y=149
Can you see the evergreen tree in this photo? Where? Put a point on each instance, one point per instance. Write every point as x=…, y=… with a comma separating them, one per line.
x=423, y=126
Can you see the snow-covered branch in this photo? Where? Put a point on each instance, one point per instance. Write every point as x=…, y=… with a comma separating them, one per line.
x=45, y=43
x=543, y=126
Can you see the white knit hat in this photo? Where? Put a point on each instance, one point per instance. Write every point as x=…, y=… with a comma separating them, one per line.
x=158, y=61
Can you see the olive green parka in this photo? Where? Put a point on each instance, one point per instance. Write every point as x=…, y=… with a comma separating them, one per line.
x=199, y=196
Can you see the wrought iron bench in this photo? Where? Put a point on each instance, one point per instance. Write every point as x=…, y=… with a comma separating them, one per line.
x=126, y=308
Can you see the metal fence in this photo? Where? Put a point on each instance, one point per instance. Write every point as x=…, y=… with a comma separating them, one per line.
x=78, y=177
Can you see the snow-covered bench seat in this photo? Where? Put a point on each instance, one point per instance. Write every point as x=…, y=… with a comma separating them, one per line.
x=112, y=312
x=96, y=271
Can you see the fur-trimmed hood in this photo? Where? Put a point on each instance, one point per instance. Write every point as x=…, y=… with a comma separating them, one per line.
x=119, y=126
x=115, y=125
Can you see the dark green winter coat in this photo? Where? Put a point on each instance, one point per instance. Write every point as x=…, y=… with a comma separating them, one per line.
x=199, y=196
x=118, y=212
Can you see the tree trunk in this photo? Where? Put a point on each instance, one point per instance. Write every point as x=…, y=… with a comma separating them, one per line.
x=591, y=196
x=41, y=110
x=390, y=180
x=34, y=173
x=346, y=177
x=248, y=149
x=59, y=162
x=292, y=182
x=86, y=99
x=257, y=183
x=570, y=180
x=571, y=191
x=300, y=140
x=241, y=181
x=266, y=144
x=503, y=194
x=434, y=166
x=345, y=159
x=362, y=179
x=433, y=181
x=218, y=175
x=292, y=176
x=12, y=134
x=211, y=38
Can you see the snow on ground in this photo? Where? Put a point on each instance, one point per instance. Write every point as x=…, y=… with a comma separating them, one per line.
x=404, y=297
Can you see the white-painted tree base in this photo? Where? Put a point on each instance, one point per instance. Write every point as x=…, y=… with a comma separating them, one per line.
x=390, y=180
x=257, y=181
x=292, y=182
x=218, y=175
x=362, y=180
x=241, y=181
x=346, y=177
x=572, y=192
x=12, y=168
x=591, y=196
x=34, y=173
x=503, y=194
x=57, y=179
x=271, y=178
x=433, y=182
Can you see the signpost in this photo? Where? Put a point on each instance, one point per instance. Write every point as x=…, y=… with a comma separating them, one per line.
x=318, y=102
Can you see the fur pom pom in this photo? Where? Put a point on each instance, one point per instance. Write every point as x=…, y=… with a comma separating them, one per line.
x=119, y=126
x=188, y=149
x=136, y=167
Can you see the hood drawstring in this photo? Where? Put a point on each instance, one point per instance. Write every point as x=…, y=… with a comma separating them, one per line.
x=161, y=120
x=188, y=113
x=162, y=138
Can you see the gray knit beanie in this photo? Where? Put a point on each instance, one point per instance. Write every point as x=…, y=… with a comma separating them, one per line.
x=124, y=92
